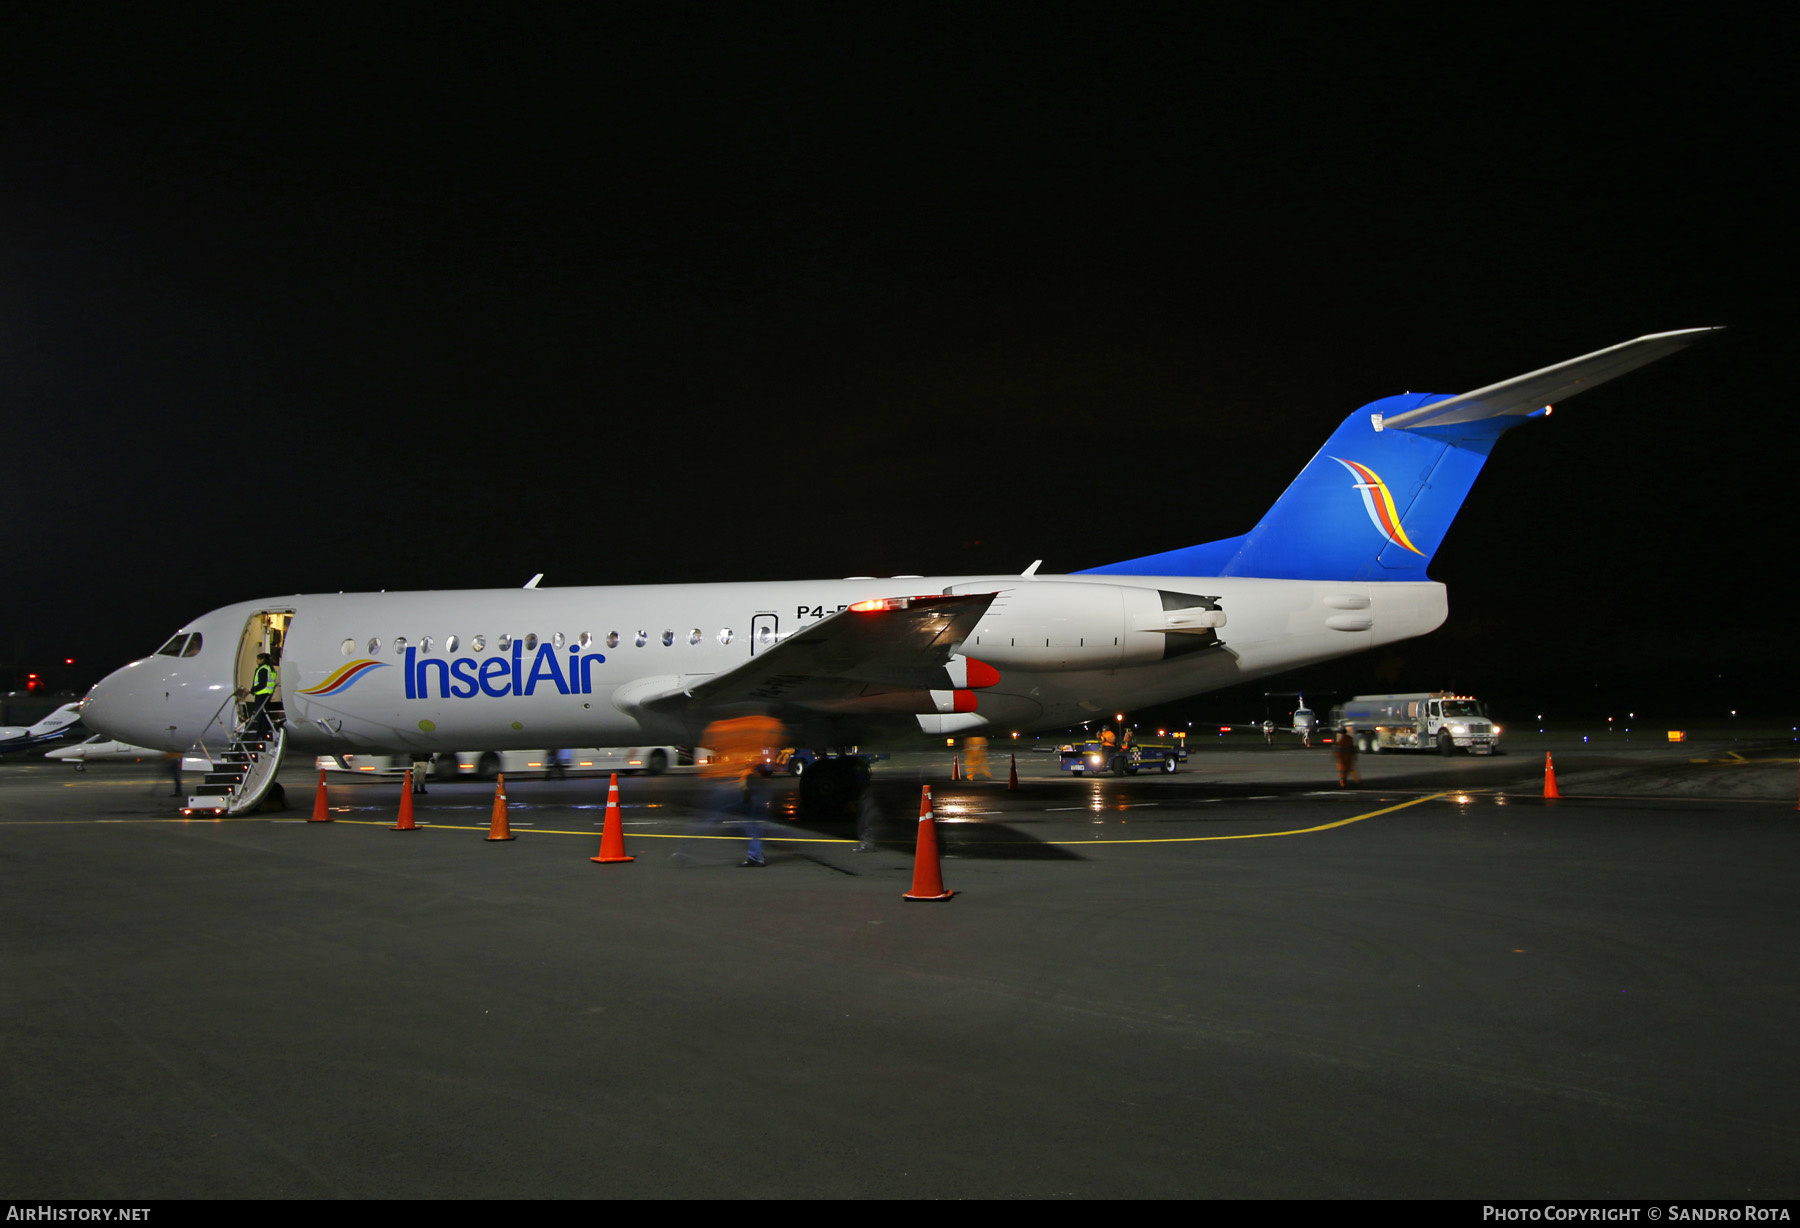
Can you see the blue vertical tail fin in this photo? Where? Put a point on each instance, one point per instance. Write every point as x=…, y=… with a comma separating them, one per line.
x=1378, y=499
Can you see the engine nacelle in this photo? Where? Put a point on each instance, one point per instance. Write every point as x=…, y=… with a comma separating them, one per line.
x=1062, y=625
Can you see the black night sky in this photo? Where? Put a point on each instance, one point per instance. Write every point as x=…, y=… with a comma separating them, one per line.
x=302, y=298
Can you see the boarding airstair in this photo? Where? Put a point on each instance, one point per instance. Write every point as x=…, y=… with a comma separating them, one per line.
x=239, y=777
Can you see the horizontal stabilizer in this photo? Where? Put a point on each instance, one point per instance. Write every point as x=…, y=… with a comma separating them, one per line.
x=1525, y=394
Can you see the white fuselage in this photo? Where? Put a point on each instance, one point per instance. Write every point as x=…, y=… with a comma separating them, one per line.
x=1068, y=649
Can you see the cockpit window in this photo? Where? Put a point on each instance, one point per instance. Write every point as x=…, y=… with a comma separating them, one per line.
x=193, y=646
x=173, y=647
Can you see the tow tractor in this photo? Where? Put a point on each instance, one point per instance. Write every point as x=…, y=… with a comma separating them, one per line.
x=1093, y=758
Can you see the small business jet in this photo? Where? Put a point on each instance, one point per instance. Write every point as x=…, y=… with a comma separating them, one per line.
x=1303, y=721
x=56, y=725
x=1336, y=566
x=102, y=749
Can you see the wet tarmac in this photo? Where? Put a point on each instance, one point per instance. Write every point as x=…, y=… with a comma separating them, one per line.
x=1239, y=980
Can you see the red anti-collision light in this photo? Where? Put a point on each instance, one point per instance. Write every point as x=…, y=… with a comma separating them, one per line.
x=982, y=674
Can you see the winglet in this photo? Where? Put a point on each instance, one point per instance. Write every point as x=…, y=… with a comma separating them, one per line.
x=533, y=582
x=1032, y=570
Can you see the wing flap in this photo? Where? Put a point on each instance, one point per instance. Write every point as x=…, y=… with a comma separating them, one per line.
x=863, y=659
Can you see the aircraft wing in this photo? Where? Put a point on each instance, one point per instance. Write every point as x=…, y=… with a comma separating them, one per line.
x=1528, y=393
x=876, y=658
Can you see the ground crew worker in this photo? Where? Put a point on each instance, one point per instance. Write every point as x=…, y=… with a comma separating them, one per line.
x=1121, y=758
x=1343, y=749
x=261, y=693
x=975, y=758
x=737, y=746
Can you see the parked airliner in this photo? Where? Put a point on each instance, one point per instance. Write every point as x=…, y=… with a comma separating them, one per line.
x=1336, y=566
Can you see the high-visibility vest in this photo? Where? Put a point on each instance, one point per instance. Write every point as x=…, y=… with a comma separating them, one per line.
x=267, y=678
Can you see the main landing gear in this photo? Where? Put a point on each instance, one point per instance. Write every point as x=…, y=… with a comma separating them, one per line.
x=832, y=787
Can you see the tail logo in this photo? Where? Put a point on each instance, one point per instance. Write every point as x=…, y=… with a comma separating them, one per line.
x=346, y=677
x=1379, y=503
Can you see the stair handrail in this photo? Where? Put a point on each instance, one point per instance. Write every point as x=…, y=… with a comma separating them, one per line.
x=231, y=731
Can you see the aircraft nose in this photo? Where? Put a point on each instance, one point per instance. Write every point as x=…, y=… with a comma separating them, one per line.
x=124, y=706
x=99, y=708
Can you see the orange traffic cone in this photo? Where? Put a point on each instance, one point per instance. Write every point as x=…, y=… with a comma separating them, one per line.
x=497, y=828
x=928, y=875
x=612, y=833
x=1012, y=777
x=1550, y=778
x=406, y=817
x=321, y=810
x=955, y=767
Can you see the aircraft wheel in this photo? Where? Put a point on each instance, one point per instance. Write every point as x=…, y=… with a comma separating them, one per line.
x=829, y=788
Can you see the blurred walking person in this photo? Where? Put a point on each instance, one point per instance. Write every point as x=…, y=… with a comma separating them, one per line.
x=1343, y=749
x=737, y=747
x=975, y=758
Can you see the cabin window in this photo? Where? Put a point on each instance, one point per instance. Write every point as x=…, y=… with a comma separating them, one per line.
x=558, y=639
x=374, y=645
x=478, y=644
x=399, y=645
x=725, y=635
x=694, y=636
x=348, y=648
x=612, y=639
x=531, y=642
x=643, y=637
x=504, y=642
x=424, y=643
x=668, y=638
